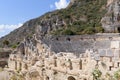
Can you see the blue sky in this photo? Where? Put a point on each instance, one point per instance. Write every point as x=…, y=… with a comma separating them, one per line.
x=13, y=13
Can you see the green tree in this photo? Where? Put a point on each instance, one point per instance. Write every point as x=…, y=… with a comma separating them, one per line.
x=5, y=42
x=96, y=74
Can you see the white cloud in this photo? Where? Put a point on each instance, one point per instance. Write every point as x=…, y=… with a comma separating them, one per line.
x=6, y=29
x=61, y=4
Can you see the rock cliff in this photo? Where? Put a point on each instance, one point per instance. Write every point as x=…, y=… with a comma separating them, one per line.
x=80, y=17
x=110, y=22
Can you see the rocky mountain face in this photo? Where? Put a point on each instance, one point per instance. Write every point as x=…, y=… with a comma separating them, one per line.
x=80, y=17
x=16, y=36
x=46, y=23
x=111, y=20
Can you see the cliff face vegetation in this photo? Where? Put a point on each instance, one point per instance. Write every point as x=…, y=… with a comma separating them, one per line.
x=80, y=17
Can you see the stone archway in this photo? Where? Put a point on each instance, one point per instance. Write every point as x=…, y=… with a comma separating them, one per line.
x=71, y=78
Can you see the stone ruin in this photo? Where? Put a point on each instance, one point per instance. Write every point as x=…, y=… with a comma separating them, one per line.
x=66, y=57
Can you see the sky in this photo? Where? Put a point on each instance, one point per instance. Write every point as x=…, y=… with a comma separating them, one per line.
x=13, y=13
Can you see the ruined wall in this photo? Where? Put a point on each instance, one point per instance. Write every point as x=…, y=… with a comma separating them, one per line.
x=56, y=58
x=79, y=44
x=4, y=55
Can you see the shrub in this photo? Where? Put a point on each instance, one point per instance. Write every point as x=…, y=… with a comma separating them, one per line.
x=117, y=75
x=91, y=10
x=5, y=42
x=89, y=30
x=99, y=29
x=14, y=46
x=108, y=76
x=67, y=32
x=96, y=74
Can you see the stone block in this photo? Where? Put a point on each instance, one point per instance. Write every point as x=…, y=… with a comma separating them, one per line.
x=115, y=44
x=110, y=64
x=117, y=54
x=115, y=64
x=102, y=52
x=110, y=53
x=103, y=44
x=97, y=57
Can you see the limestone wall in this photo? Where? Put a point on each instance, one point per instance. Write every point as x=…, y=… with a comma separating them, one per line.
x=56, y=58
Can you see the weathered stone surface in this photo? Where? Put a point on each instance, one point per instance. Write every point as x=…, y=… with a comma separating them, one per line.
x=110, y=22
x=110, y=53
x=102, y=52
x=115, y=44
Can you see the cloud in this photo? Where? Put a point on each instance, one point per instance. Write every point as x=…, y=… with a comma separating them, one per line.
x=61, y=4
x=6, y=29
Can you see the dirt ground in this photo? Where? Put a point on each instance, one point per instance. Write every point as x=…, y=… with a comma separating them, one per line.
x=4, y=75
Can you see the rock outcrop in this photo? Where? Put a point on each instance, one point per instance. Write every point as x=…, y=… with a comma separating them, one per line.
x=111, y=21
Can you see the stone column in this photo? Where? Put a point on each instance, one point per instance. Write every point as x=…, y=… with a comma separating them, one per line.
x=15, y=65
x=80, y=64
x=70, y=64
x=26, y=66
x=20, y=66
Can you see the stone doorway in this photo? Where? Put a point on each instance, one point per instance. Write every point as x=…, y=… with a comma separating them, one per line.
x=71, y=78
x=118, y=29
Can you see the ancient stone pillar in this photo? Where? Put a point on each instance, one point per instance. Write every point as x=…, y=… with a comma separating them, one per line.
x=80, y=64
x=20, y=66
x=70, y=64
x=26, y=66
x=15, y=65
x=55, y=61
